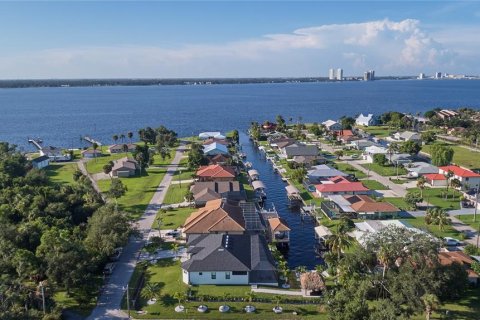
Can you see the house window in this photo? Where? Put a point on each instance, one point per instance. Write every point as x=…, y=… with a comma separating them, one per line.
x=214, y=275
x=239, y=273
x=200, y=273
x=227, y=275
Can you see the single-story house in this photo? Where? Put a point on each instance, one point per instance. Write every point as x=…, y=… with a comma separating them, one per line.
x=215, y=172
x=225, y=259
x=436, y=179
x=322, y=172
x=218, y=216
x=368, y=120
x=373, y=150
x=90, y=153
x=215, y=148
x=220, y=159
x=418, y=169
x=309, y=161
x=340, y=185
x=212, y=190
x=365, y=228
x=467, y=178
x=448, y=257
x=55, y=154
x=399, y=158
x=299, y=150
x=361, y=144
x=278, y=230
x=407, y=136
x=217, y=140
x=119, y=148
x=282, y=143
x=332, y=125
x=41, y=162
x=124, y=167
x=211, y=134
x=358, y=206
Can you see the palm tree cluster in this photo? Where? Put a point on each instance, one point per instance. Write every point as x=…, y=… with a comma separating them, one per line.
x=122, y=137
x=437, y=216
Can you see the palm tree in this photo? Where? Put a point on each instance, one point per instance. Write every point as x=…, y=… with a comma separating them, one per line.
x=277, y=300
x=125, y=148
x=421, y=184
x=448, y=175
x=339, y=241
x=151, y=290
x=95, y=147
x=249, y=296
x=122, y=137
x=175, y=248
x=179, y=296
x=392, y=148
x=437, y=216
x=455, y=183
x=130, y=135
x=431, y=302
x=339, y=154
x=115, y=138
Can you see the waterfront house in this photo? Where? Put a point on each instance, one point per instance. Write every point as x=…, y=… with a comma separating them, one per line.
x=332, y=125
x=365, y=228
x=218, y=216
x=124, y=167
x=225, y=259
x=278, y=231
x=358, y=206
x=467, y=178
x=436, y=179
x=418, y=169
x=119, y=148
x=309, y=161
x=211, y=134
x=406, y=136
x=299, y=150
x=366, y=120
x=41, y=162
x=215, y=148
x=371, y=151
x=215, y=173
x=448, y=257
x=55, y=154
x=340, y=185
x=323, y=172
x=282, y=142
x=90, y=153
x=215, y=140
x=221, y=159
x=213, y=190
x=446, y=114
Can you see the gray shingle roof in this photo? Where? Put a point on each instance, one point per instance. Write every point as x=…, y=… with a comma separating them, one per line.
x=301, y=150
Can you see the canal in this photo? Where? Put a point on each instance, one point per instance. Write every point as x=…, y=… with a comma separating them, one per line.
x=302, y=234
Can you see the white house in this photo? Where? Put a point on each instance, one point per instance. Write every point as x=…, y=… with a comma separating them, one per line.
x=41, y=162
x=373, y=150
x=407, y=136
x=368, y=120
x=467, y=178
x=214, y=149
x=332, y=125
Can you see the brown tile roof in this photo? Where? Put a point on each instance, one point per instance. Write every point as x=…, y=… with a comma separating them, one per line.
x=449, y=257
x=120, y=146
x=216, y=171
x=361, y=203
x=216, y=216
x=218, y=158
x=213, y=189
x=278, y=224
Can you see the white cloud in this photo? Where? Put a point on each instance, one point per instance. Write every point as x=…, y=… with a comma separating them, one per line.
x=390, y=47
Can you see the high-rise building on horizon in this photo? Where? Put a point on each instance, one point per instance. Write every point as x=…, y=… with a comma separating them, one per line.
x=369, y=75
x=331, y=74
x=340, y=74
x=438, y=75
x=421, y=76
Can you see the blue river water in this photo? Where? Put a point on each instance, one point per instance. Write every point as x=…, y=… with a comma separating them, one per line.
x=302, y=237
x=61, y=115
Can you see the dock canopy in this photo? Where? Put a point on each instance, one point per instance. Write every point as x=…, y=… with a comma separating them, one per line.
x=257, y=184
x=211, y=134
x=322, y=231
x=291, y=190
x=253, y=173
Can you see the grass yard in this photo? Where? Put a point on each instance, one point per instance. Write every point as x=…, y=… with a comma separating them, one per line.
x=397, y=202
x=173, y=219
x=96, y=165
x=462, y=156
x=61, y=173
x=140, y=190
x=434, y=196
x=169, y=276
x=378, y=131
x=347, y=168
x=242, y=178
x=374, y=185
x=185, y=175
x=468, y=219
x=419, y=222
x=72, y=300
x=384, y=171
x=399, y=181
x=176, y=193
x=158, y=161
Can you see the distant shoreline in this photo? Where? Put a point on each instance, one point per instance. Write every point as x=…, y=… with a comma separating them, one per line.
x=31, y=83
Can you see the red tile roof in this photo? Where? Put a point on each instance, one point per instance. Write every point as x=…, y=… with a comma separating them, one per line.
x=341, y=187
x=434, y=176
x=362, y=203
x=216, y=171
x=460, y=172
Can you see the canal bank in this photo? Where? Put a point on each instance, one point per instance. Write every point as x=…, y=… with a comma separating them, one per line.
x=302, y=234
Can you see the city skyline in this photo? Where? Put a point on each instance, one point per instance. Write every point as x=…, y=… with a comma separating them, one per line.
x=236, y=39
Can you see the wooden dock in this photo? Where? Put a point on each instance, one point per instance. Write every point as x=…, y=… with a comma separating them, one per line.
x=37, y=144
x=92, y=141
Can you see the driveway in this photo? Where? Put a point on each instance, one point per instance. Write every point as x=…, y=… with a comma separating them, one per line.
x=109, y=302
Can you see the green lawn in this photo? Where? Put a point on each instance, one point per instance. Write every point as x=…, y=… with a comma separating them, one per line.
x=96, y=165
x=173, y=219
x=468, y=219
x=463, y=157
x=347, y=168
x=374, y=185
x=61, y=172
x=242, y=178
x=176, y=193
x=80, y=302
x=185, y=175
x=399, y=181
x=379, y=131
x=434, y=196
x=397, y=202
x=158, y=161
x=140, y=190
x=419, y=222
x=384, y=171
x=169, y=275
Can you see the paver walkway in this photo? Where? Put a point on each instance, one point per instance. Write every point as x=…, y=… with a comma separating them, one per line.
x=109, y=302
x=282, y=292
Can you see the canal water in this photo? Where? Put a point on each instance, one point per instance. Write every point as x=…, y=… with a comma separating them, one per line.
x=302, y=234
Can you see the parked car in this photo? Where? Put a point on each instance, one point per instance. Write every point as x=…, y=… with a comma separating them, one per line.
x=173, y=233
x=354, y=156
x=451, y=241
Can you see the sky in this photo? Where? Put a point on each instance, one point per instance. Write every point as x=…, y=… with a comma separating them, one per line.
x=188, y=39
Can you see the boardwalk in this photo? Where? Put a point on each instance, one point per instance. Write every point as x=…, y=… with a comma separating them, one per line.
x=108, y=306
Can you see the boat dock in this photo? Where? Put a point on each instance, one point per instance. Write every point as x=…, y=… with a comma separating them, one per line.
x=92, y=141
x=37, y=144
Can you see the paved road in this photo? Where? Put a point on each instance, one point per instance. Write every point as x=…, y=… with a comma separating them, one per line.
x=108, y=305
